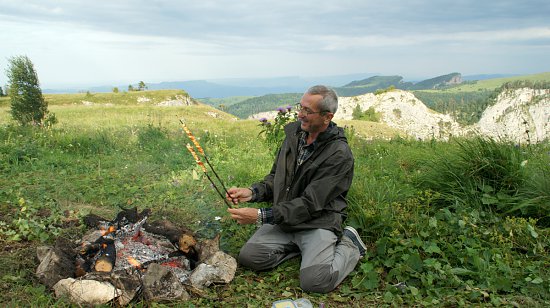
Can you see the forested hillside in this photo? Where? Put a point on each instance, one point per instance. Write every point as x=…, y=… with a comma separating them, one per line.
x=263, y=103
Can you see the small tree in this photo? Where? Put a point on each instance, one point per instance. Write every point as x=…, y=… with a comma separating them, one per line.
x=142, y=86
x=1, y=92
x=27, y=103
x=115, y=90
x=130, y=88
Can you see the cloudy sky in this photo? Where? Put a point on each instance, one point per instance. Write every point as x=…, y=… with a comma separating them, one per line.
x=120, y=42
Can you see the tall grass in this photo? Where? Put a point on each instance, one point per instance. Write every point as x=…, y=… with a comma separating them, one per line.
x=481, y=172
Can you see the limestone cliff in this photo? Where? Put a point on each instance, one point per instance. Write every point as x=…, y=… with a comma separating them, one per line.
x=521, y=115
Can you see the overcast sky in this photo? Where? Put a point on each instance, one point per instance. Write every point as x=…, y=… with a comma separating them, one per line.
x=122, y=42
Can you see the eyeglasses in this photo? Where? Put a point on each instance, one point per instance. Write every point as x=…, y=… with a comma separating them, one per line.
x=301, y=109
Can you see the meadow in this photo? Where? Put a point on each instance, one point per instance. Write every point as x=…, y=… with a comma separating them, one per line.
x=456, y=223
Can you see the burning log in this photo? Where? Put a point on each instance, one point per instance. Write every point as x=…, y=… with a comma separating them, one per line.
x=107, y=257
x=181, y=237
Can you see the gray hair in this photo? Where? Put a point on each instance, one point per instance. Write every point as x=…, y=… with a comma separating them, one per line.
x=330, y=98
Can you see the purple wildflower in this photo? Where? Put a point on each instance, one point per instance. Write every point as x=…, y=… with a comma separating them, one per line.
x=289, y=108
x=263, y=120
x=281, y=110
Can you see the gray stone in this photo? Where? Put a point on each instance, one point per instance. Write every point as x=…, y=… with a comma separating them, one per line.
x=161, y=285
x=219, y=268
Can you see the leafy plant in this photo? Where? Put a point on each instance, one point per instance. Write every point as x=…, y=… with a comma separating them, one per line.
x=274, y=133
x=367, y=115
x=33, y=222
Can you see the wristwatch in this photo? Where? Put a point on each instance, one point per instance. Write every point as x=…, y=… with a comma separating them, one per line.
x=259, y=220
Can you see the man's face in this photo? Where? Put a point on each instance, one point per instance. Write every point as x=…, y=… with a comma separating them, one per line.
x=312, y=118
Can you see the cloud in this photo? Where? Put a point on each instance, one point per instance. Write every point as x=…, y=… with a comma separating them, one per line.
x=221, y=38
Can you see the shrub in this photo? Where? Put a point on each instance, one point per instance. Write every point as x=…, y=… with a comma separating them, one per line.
x=273, y=133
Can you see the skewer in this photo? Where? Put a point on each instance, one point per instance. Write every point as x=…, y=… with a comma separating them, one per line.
x=201, y=164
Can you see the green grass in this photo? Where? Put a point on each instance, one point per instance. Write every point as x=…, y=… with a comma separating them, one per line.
x=491, y=84
x=450, y=247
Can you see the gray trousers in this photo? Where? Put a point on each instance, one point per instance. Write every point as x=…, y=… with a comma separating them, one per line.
x=326, y=261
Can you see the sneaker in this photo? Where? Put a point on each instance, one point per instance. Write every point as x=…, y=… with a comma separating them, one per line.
x=352, y=234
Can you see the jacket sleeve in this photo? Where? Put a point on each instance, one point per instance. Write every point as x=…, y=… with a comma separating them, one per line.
x=325, y=190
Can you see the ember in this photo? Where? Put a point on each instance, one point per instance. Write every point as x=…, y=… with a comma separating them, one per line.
x=132, y=259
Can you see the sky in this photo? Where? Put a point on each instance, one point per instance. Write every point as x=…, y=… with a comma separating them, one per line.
x=76, y=43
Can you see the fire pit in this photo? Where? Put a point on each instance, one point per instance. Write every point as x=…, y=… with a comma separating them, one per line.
x=131, y=258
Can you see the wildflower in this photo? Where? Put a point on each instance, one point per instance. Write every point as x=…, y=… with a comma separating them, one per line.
x=281, y=110
x=289, y=108
x=263, y=120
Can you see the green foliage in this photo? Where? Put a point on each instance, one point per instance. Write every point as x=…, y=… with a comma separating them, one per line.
x=32, y=222
x=367, y=115
x=115, y=90
x=27, y=104
x=1, y=92
x=262, y=103
x=424, y=244
x=382, y=91
x=273, y=133
x=465, y=107
x=142, y=86
x=484, y=173
x=225, y=101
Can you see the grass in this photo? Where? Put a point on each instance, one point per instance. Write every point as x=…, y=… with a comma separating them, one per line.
x=430, y=243
x=491, y=84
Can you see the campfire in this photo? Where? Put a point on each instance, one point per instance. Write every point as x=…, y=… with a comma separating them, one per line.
x=131, y=258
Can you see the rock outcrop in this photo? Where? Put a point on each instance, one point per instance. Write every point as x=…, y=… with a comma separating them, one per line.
x=402, y=110
x=520, y=115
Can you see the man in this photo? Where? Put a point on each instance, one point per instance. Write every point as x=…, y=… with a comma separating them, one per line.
x=307, y=184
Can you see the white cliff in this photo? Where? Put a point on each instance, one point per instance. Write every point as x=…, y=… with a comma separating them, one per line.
x=520, y=115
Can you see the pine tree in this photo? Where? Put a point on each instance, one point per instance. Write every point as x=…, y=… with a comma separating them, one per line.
x=27, y=103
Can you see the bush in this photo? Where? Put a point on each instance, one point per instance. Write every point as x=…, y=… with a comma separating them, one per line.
x=274, y=133
x=367, y=115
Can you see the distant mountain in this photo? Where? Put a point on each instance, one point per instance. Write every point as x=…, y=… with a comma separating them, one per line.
x=374, y=83
x=436, y=82
x=371, y=84
x=220, y=88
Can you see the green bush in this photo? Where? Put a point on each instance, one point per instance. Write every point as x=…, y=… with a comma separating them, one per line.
x=273, y=133
x=367, y=115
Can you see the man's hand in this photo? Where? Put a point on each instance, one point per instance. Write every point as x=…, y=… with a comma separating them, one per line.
x=245, y=215
x=237, y=195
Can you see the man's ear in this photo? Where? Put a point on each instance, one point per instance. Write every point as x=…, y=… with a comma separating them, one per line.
x=329, y=115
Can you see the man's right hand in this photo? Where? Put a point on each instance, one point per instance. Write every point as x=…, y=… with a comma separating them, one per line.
x=238, y=194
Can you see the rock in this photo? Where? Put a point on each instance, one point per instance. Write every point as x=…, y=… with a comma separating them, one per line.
x=219, y=268
x=520, y=115
x=208, y=247
x=161, y=285
x=42, y=251
x=86, y=292
x=55, y=265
